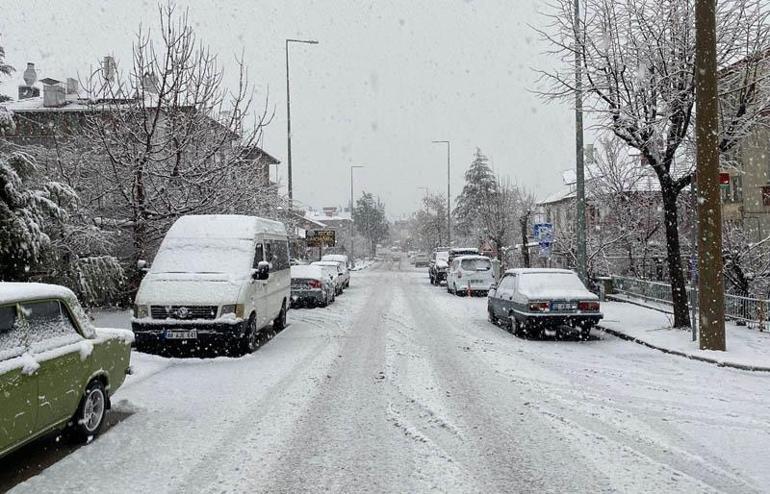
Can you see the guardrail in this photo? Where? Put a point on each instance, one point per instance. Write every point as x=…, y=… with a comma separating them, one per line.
x=746, y=310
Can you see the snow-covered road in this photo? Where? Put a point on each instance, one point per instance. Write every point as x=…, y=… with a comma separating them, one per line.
x=401, y=387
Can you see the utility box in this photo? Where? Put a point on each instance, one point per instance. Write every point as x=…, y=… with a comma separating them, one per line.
x=605, y=286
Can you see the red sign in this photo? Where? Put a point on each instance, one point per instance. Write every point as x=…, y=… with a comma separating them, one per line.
x=724, y=178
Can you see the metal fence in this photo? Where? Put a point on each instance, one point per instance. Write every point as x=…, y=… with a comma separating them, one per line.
x=745, y=310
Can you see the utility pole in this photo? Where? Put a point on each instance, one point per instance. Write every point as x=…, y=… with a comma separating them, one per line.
x=352, y=243
x=579, y=154
x=711, y=291
x=288, y=116
x=448, y=193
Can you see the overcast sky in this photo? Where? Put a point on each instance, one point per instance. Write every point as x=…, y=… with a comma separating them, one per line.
x=386, y=79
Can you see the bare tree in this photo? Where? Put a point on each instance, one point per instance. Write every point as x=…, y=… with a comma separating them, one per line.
x=429, y=225
x=169, y=138
x=637, y=60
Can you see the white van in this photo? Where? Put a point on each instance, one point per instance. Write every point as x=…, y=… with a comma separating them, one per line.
x=215, y=279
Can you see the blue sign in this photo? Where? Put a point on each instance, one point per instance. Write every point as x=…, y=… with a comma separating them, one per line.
x=543, y=232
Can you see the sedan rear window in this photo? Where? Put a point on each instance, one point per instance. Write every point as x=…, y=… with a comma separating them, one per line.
x=476, y=265
x=540, y=281
x=11, y=335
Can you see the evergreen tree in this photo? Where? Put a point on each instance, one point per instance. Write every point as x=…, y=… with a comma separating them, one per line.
x=5, y=70
x=370, y=221
x=480, y=187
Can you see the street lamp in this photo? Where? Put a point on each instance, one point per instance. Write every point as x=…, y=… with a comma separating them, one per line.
x=288, y=112
x=352, y=167
x=448, y=208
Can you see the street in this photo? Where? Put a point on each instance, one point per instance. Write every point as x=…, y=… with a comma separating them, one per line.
x=401, y=387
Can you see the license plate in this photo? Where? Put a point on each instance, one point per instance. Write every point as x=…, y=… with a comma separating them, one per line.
x=476, y=282
x=561, y=306
x=181, y=335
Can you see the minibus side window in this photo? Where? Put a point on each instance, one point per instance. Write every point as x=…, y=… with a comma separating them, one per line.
x=259, y=255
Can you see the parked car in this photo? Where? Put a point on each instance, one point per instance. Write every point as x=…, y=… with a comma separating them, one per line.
x=470, y=275
x=216, y=280
x=57, y=372
x=311, y=286
x=462, y=251
x=335, y=272
x=343, y=260
x=421, y=260
x=533, y=300
x=438, y=267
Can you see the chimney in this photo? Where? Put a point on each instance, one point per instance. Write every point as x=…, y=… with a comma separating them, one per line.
x=53, y=93
x=30, y=75
x=72, y=85
x=108, y=68
x=150, y=82
x=28, y=90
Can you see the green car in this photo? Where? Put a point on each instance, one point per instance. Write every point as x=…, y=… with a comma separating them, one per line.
x=57, y=372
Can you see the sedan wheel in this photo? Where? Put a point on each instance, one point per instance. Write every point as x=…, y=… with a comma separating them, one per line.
x=91, y=412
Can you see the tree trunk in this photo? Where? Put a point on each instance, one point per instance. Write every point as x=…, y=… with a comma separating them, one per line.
x=673, y=250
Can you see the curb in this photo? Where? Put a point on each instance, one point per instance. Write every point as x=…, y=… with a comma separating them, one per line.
x=718, y=363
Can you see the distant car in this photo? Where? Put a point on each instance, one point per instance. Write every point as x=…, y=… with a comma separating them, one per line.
x=57, y=371
x=470, y=275
x=336, y=272
x=533, y=300
x=438, y=267
x=421, y=261
x=343, y=259
x=311, y=286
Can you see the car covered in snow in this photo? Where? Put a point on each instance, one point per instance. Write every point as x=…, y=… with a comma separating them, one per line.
x=439, y=265
x=311, y=286
x=533, y=300
x=342, y=260
x=421, y=260
x=336, y=272
x=57, y=372
x=470, y=275
x=216, y=281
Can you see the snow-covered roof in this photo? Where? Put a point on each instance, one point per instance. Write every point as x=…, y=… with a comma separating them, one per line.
x=15, y=292
x=307, y=271
x=558, y=196
x=224, y=226
x=321, y=217
x=538, y=270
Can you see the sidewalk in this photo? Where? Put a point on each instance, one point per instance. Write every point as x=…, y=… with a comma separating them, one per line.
x=747, y=349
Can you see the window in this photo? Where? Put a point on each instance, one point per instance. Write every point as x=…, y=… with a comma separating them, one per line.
x=49, y=325
x=476, y=265
x=11, y=334
x=737, y=184
x=259, y=256
x=281, y=255
x=766, y=195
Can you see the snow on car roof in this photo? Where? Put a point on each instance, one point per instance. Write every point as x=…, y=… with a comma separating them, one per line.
x=470, y=256
x=307, y=271
x=539, y=270
x=326, y=263
x=224, y=226
x=16, y=292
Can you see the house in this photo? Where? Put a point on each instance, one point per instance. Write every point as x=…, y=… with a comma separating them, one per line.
x=338, y=221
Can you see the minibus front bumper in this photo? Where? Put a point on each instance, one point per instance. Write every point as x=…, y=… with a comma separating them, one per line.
x=148, y=333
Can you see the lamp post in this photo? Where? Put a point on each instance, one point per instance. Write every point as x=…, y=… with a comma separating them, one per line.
x=448, y=191
x=288, y=113
x=352, y=243
x=580, y=226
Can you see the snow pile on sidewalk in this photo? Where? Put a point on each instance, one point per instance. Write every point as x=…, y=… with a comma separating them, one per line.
x=747, y=348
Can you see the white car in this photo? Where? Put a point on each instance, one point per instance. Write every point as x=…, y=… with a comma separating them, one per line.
x=335, y=272
x=470, y=275
x=343, y=260
x=215, y=279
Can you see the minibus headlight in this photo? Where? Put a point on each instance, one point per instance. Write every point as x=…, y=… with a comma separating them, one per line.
x=236, y=309
x=141, y=311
